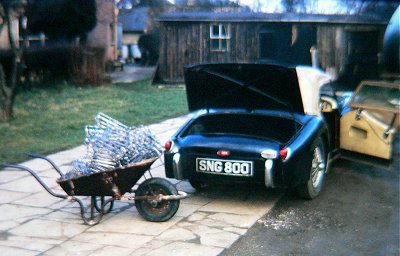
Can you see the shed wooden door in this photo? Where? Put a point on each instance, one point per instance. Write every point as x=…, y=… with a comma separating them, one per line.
x=274, y=43
x=268, y=44
x=363, y=47
x=287, y=43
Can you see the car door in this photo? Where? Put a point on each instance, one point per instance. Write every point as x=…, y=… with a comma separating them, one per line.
x=369, y=129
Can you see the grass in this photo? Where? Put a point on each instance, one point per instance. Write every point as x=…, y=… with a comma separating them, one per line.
x=51, y=119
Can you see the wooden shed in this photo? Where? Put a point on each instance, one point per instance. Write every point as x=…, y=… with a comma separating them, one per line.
x=344, y=45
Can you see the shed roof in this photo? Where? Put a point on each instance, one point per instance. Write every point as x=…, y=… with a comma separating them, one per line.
x=134, y=20
x=375, y=19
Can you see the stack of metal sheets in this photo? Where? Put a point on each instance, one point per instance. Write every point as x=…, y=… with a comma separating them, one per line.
x=112, y=144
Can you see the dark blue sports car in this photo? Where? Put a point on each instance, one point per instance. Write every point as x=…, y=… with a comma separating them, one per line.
x=254, y=123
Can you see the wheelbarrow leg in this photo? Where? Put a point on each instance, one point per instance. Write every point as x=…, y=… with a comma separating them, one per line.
x=103, y=204
x=92, y=208
x=92, y=219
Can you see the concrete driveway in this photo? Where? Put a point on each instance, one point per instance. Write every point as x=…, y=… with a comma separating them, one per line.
x=32, y=222
x=132, y=73
x=357, y=213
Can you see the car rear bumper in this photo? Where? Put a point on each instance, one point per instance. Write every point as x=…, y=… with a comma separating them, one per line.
x=266, y=171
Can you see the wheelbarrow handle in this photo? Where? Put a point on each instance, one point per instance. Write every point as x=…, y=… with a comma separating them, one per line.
x=48, y=160
x=91, y=220
x=21, y=167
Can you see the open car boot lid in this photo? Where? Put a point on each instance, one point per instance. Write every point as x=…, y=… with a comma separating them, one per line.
x=252, y=86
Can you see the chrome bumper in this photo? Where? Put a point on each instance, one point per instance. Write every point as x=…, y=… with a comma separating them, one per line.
x=176, y=166
x=268, y=176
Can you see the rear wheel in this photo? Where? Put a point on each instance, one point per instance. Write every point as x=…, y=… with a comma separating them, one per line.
x=153, y=210
x=313, y=186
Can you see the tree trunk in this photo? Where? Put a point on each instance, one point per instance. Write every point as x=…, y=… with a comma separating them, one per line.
x=8, y=86
x=8, y=108
x=9, y=82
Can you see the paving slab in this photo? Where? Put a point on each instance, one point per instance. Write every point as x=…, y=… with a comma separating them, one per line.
x=222, y=239
x=185, y=249
x=113, y=250
x=178, y=234
x=186, y=210
x=20, y=213
x=151, y=246
x=9, y=174
x=48, y=229
x=12, y=251
x=35, y=223
x=10, y=196
x=130, y=222
x=30, y=243
x=25, y=184
x=41, y=199
x=73, y=248
x=129, y=241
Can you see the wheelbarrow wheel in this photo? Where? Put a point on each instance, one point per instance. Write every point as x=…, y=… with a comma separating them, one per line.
x=153, y=210
x=105, y=206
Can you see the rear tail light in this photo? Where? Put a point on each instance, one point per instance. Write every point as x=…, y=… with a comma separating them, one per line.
x=223, y=153
x=168, y=146
x=283, y=153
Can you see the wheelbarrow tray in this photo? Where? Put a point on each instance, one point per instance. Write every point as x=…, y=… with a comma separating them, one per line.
x=114, y=183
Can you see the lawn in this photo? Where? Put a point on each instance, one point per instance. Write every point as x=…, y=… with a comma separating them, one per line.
x=52, y=118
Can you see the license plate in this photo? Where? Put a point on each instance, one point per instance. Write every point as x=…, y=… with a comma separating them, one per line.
x=224, y=167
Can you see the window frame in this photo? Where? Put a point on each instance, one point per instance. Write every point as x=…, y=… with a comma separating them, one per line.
x=221, y=37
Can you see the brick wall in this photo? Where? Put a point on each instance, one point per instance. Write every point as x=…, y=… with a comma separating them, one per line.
x=102, y=34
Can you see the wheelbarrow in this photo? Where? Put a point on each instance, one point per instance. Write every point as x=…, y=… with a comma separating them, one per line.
x=156, y=199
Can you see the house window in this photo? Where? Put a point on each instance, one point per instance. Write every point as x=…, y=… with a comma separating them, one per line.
x=219, y=37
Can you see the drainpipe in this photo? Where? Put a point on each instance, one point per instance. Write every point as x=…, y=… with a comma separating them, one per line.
x=115, y=33
x=314, y=56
